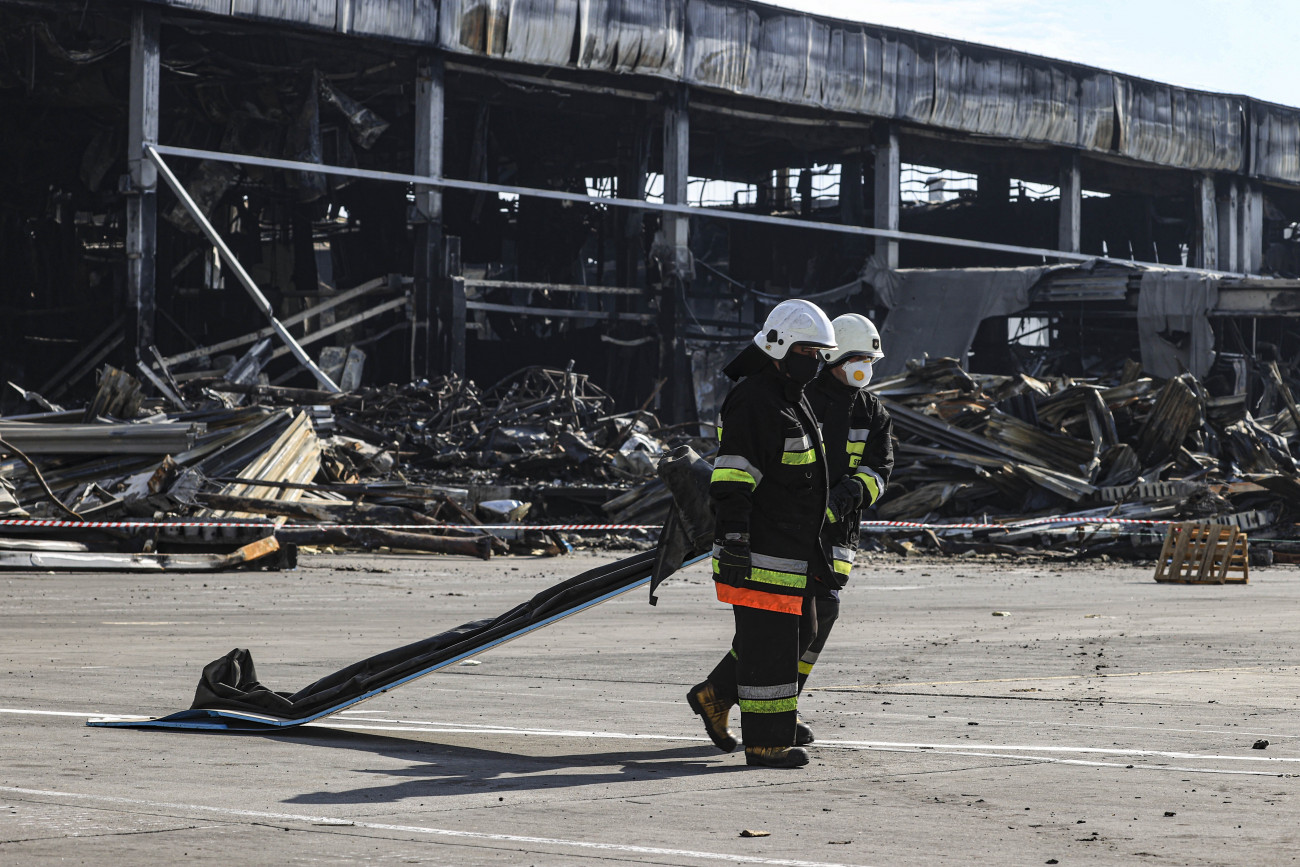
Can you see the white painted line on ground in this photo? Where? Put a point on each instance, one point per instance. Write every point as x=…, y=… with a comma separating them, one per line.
x=58, y=713
x=1048, y=760
x=1027, y=752
x=336, y=821
x=1109, y=751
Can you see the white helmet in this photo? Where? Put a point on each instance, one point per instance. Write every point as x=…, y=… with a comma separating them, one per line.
x=791, y=322
x=855, y=334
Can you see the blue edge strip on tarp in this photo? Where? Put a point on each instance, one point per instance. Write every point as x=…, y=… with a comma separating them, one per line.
x=242, y=721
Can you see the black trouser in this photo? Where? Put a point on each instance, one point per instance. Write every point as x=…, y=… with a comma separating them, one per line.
x=828, y=611
x=814, y=627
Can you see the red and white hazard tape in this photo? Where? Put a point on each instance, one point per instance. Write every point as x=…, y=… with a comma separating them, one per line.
x=573, y=528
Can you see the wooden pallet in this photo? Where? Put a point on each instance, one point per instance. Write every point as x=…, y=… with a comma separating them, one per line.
x=1204, y=554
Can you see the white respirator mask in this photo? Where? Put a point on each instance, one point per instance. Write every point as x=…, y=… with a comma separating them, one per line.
x=858, y=373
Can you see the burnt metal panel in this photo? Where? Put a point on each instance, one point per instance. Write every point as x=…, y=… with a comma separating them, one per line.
x=1096, y=111
x=473, y=26
x=759, y=51
x=541, y=31
x=216, y=7
x=528, y=31
x=1275, y=150
x=402, y=20
x=636, y=36
x=1172, y=126
x=312, y=13
x=721, y=44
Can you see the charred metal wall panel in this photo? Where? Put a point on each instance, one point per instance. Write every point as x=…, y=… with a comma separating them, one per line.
x=638, y=36
x=540, y=32
x=311, y=13
x=216, y=7
x=721, y=45
x=1275, y=150
x=1172, y=126
x=402, y=20
x=757, y=51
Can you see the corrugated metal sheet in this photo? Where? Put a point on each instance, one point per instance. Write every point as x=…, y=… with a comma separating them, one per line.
x=216, y=7
x=636, y=36
x=1275, y=153
x=721, y=44
x=403, y=20
x=1171, y=126
x=540, y=32
x=313, y=13
x=762, y=52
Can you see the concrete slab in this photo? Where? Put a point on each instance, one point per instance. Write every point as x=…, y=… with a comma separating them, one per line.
x=1099, y=718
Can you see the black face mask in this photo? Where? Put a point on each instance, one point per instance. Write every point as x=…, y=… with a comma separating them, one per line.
x=801, y=369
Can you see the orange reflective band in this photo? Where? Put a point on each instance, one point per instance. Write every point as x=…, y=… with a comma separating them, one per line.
x=758, y=599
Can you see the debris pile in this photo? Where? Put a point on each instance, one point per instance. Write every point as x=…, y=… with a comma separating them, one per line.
x=376, y=467
x=421, y=466
x=975, y=447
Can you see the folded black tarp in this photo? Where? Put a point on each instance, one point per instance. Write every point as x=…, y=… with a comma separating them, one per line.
x=229, y=692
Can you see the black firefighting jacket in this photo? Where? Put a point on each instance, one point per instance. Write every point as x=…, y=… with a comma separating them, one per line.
x=770, y=482
x=857, y=431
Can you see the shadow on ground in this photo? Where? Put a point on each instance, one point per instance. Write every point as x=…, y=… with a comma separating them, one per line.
x=437, y=769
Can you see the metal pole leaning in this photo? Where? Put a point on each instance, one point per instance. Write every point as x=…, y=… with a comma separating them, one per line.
x=245, y=280
x=666, y=208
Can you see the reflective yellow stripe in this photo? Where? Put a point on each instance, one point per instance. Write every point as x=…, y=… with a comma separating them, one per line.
x=872, y=486
x=779, y=705
x=805, y=667
x=782, y=579
x=830, y=516
x=808, y=457
x=726, y=474
x=855, y=448
x=842, y=566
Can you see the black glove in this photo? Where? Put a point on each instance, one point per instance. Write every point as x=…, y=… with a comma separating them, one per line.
x=733, y=562
x=844, y=499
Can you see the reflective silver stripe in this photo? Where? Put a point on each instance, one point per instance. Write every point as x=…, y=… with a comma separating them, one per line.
x=767, y=693
x=798, y=444
x=858, y=434
x=842, y=553
x=778, y=564
x=875, y=475
x=736, y=462
x=810, y=658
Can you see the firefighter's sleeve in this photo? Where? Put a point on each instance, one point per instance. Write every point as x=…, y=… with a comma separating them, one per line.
x=747, y=443
x=878, y=454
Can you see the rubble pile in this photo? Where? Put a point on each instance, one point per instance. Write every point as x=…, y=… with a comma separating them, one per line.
x=377, y=467
x=420, y=466
x=975, y=447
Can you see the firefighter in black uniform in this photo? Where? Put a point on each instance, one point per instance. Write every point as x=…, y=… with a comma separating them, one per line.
x=856, y=431
x=770, y=492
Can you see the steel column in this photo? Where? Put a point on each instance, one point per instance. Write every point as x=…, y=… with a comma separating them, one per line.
x=431, y=339
x=142, y=179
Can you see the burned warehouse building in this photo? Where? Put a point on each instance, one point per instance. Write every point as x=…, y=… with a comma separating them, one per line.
x=587, y=206
x=160, y=205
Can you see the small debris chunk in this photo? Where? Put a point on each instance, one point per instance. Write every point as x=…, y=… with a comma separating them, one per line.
x=749, y=833
x=1260, y=745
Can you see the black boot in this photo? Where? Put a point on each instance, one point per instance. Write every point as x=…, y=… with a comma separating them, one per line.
x=803, y=734
x=715, y=712
x=776, y=757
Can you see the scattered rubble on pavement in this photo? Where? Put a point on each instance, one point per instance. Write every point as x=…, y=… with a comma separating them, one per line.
x=418, y=467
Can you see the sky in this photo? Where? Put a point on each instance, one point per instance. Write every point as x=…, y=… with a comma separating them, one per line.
x=1230, y=46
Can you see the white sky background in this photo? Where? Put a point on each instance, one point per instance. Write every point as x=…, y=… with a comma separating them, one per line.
x=1230, y=46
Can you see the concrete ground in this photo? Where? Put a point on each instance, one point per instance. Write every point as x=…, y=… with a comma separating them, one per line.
x=1102, y=718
